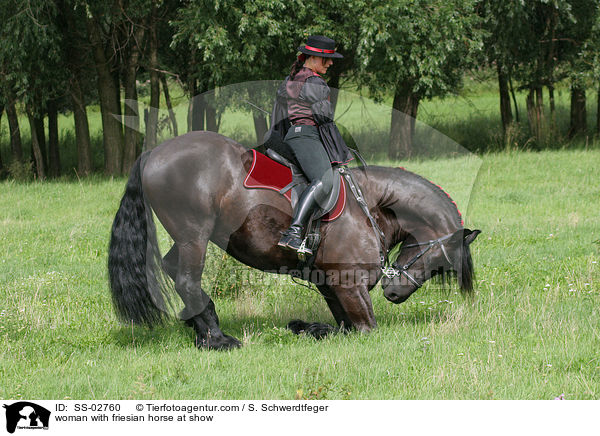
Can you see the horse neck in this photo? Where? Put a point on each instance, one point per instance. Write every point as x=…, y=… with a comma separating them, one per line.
x=407, y=204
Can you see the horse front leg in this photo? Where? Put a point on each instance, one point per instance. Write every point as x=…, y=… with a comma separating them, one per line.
x=199, y=311
x=357, y=306
x=349, y=311
x=320, y=330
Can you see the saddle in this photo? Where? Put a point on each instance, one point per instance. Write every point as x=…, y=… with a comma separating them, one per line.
x=275, y=172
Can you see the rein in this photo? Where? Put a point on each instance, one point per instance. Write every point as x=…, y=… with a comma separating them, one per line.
x=358, y=195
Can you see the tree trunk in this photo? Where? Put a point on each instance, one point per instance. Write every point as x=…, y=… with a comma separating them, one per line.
x=82, y=129
x=16, y=146
x=75, y=46
x=35, y=148
x=109, y=105
x=53, y=152
x=505, y=108
x=552, y=108
x=598, y=113
x=1, y=112
x=260, y=121
x=198, y=112
x=578, y=111
x=132, y=110
x=197, y=108
x=514, y=98
x=402, y=128
x=41, y=139
x=211, y=118
x=152, y=124
x=172, y=117
x=535, y=113
x=334, y=85
x=260, y=126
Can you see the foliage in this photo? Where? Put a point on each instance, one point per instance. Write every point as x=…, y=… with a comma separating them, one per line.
x=30, y=53
x=422, y=48
x=540, y=41
x=422, y=45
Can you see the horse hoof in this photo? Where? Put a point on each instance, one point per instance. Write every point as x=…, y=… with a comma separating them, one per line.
x=315, y=329
x=221, y=344
x=297, y=326
x=319, y=331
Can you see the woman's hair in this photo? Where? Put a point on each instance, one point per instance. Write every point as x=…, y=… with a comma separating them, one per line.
x=297, y=65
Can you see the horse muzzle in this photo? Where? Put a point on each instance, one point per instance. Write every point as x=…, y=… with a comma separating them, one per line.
x=397, y=293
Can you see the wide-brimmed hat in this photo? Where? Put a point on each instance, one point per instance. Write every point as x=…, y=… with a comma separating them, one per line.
x=317, y=45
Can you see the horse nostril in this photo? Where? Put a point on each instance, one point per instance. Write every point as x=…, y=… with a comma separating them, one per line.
x=396, y=297
x=391, y=296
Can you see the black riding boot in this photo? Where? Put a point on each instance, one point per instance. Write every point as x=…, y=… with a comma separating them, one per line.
x=307, y=204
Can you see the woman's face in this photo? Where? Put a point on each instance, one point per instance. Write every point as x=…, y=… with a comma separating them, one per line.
x=320, y=65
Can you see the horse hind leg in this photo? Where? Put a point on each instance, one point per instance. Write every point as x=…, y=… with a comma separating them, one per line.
x=199, y=311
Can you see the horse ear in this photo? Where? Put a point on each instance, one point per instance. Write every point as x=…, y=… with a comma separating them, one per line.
x=470, y=235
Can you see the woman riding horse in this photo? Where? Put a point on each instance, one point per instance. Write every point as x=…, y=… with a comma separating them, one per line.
x=303, y=119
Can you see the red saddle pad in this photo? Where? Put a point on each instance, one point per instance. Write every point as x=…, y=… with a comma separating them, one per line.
x=265, y=173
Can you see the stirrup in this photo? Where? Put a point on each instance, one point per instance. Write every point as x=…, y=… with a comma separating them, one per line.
x=303, y=250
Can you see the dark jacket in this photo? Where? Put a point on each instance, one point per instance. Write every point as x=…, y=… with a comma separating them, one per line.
x=294, y=102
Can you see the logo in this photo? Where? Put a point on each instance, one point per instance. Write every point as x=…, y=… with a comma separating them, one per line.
x=26, y=415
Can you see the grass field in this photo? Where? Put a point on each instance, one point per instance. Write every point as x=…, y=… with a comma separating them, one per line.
x=532, y=332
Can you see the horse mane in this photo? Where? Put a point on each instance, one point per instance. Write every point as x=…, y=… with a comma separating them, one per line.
x=387, y=200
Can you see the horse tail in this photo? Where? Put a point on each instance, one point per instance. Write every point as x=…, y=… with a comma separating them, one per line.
x=133, y=258
x=466, y=275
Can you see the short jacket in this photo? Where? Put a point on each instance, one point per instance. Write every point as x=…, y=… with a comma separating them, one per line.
x=305, y=100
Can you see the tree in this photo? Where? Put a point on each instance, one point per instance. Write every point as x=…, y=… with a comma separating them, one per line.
x=31, y=59
x=132, y=24
x=100, y=24
x=79, y=66
x=244, y=41
x=538, y=43
x=416, y=50
x=582, y=40
x=505, y=35
x=241, y=41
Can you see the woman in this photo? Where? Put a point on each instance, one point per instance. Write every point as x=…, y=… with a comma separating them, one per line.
x=303, y=119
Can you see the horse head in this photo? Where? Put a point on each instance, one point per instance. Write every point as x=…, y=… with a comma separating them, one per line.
x=418, y=262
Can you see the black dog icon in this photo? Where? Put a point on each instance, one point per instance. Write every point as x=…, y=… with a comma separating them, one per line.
x=29, y=412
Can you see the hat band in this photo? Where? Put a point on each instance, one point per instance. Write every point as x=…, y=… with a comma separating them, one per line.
x=319, y=50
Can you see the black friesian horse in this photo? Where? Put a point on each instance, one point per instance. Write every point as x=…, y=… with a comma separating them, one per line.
x=194, y=185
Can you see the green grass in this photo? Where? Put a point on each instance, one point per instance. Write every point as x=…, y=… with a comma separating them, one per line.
x=532, y=332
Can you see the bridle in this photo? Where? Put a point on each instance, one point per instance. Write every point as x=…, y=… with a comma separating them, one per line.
x=392, y=271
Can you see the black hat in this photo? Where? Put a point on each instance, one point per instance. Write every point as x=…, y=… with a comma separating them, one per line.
x=321, y=46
